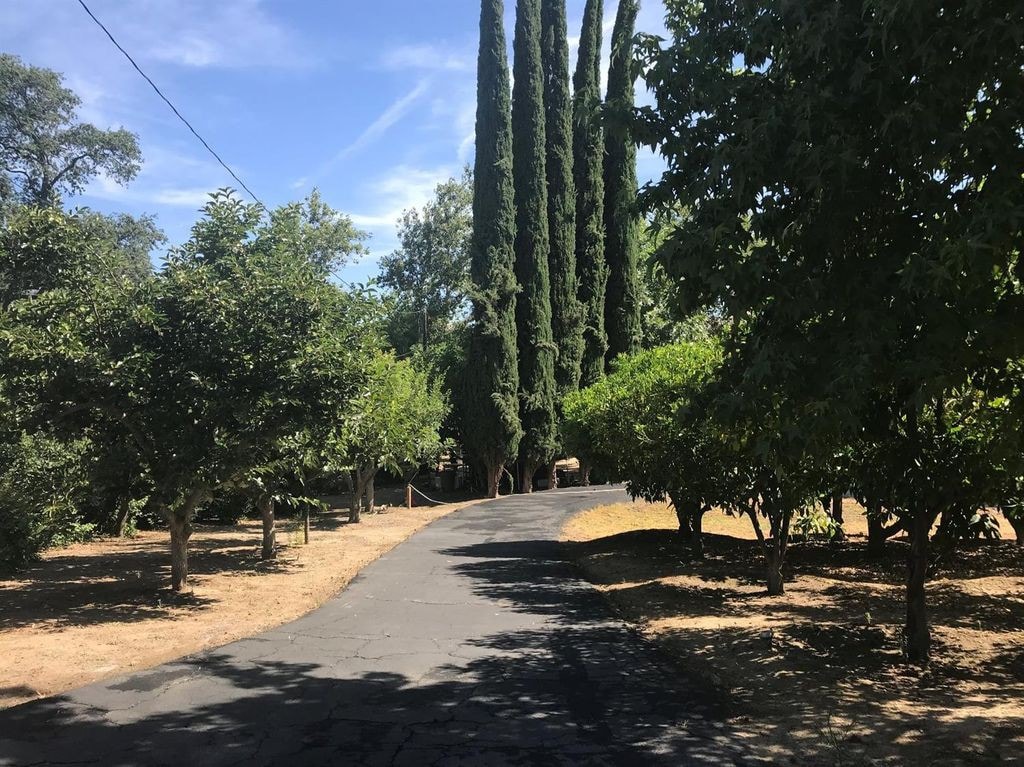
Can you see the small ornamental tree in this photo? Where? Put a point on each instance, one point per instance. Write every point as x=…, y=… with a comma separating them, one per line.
x=639, y=424
x=203, y=368
x=652, y=423
x=394, y=423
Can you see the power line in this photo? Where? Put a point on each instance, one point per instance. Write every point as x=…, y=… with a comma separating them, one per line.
x=168, y=102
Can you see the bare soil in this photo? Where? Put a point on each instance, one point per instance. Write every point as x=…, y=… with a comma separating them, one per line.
x=814, y=677
x=99, y=609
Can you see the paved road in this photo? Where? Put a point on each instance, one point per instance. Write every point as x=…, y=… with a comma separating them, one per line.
x=472, y=643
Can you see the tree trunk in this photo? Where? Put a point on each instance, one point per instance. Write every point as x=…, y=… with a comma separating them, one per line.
x=181, y=530
x=776, y=586
x=584, y=475
x=684, y=516
x=552, y=475
x=370, y=493
x=266, y=507
x=876, y=532
x=305, y=523
x=1017, y=523
x=916, y=635
x=124, y=509
x=697, y=539
x=493, y=473
x=771, y=555
x=355, y=507
x=526, y=481
x=837, y=514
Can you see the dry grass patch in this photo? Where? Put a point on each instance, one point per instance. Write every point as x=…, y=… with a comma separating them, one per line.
x=814, y=676
x=99, y=609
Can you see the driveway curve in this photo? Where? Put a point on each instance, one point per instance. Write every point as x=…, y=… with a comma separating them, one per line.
x=475, y=642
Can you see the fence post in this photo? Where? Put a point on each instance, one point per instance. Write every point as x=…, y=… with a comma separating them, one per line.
x=408, y=496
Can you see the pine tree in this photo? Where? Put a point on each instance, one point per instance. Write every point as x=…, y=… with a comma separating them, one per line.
x=492, y=405
x=622, y=301
x=588, y=170
x=566, y=312
x=533, y=308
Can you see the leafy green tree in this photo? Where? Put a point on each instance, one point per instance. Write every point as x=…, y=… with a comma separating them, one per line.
x=129, y=237
x=430, y=271
x=652, y=422
x=492, y=386
x=639, y=424
x=43, y=248
x=566, y=310
x=588, y=173
x=532, y=245
x=203, y=368
x=622, y=299
x=43, y=483
x=852, y=174
x=44, y=152
x=396, y=423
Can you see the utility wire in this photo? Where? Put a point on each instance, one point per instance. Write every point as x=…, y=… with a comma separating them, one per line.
x=168, y=102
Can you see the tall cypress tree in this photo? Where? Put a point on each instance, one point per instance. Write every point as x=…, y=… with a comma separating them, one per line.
x=566, y=312
x=533, y=308
x=622, y=300
x=492, y=404
x=588, y=170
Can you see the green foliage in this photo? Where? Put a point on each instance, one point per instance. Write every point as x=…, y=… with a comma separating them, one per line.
x=588, y=172
x=622, y=299
x=852, y=177
x=492, y=385
x=396, y=420
x=566, y=310
x=532, y=245
x=44, y=152
x=45, y=248
x=431, y=268
x=815, y=523
x=42, y=485
x=204, y=368
x=641, y=424
x=130, y=238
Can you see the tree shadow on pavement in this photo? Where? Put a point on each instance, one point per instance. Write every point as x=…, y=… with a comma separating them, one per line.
x=530, y=698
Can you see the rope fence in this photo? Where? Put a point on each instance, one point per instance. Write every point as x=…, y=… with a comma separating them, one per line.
x=409, y=490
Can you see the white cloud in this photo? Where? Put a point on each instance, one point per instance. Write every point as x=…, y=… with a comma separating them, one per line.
x=402, y=188
x=229, y=34
x=193, y=198
x=428, y=57
x=394, y=112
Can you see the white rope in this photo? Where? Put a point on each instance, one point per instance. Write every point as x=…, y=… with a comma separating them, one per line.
x=416, y=489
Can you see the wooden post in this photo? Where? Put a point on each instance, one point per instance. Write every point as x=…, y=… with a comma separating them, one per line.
x=305, y=525
x=408, y=496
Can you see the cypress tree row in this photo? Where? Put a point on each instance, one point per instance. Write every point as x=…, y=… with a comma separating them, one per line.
x=533, y=308
x=588, y=171
x=566, y=312
x=492, y=404
x=622, y=302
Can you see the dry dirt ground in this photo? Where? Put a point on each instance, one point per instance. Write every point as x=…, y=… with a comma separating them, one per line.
x=814, y=677
x=98, y=609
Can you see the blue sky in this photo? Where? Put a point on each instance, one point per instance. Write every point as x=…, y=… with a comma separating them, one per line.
x=372, y=102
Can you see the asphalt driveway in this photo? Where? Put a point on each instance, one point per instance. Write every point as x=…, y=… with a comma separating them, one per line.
x=473, y=643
